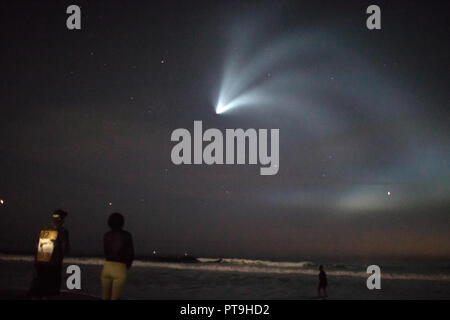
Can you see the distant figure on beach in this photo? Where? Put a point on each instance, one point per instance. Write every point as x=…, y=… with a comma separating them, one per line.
x=322, y=283
x=52, y=246
x=119, y=255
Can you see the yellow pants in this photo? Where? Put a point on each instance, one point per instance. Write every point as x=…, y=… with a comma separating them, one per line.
x=114, y=275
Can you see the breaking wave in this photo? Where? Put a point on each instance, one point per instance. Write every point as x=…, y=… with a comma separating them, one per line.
x=248, y=266
x=261, y=263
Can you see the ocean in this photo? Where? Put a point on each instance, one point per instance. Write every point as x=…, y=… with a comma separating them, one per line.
x=248, y=279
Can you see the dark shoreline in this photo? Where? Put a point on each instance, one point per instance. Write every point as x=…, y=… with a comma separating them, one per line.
x=18, y=294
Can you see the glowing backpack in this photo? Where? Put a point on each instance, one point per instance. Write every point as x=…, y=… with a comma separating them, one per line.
x=46, y=245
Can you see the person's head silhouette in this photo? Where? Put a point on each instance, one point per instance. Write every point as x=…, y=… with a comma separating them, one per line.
x=116, y=221
x=58, y=217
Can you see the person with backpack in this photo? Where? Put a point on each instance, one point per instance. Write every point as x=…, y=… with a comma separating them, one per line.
x=52, y=246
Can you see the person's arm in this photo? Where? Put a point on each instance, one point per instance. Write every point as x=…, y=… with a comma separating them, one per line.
x=37, y=249
x=105, y=249
x=66, y=242
x=130, y=252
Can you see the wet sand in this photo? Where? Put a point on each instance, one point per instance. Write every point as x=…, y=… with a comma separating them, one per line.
x=168, y=283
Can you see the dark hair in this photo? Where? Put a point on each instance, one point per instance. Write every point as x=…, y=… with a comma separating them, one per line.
x=320, y=267
x=116, y=221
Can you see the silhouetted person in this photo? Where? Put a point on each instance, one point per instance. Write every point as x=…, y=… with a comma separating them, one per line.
x=119, y=255
x=322, y=282
x=52, y=246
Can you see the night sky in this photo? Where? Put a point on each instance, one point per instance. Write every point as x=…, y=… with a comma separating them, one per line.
x=86, y=119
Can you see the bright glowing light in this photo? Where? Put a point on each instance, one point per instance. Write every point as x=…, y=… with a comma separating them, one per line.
x=221, y=109
x=1, y=201
x=388, y=193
